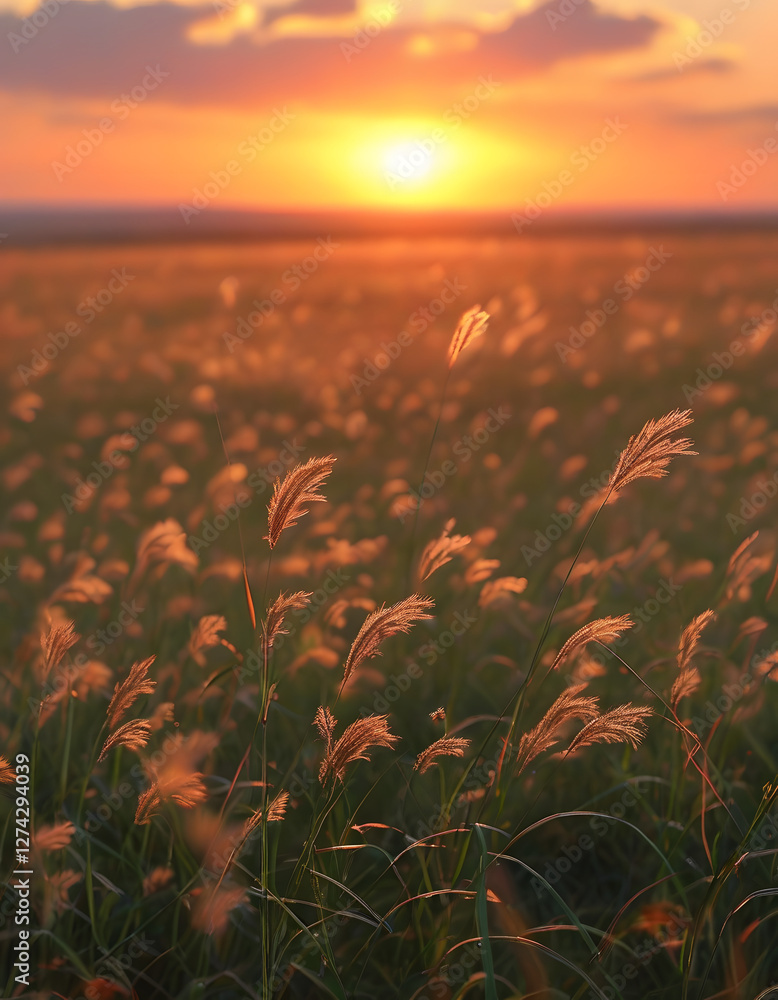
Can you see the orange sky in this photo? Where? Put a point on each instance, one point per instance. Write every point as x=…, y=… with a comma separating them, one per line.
x=392, y=103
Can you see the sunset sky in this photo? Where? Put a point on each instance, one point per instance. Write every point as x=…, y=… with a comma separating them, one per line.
x=444, y=104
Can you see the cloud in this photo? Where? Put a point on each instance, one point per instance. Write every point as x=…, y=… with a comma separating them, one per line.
x=715, y=65
x=96, y=50
x=755, y=114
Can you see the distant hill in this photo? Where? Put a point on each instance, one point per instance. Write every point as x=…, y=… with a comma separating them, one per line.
x=32, y=225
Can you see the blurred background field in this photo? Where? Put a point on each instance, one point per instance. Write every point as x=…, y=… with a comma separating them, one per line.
x=314, y=379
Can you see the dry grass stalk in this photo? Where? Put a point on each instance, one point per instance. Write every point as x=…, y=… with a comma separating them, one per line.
x=649, y=452
x=7, y=773
x=688, y=679
x=298, y=487
x=279, y=609
x=381, y=625
x=131, y=688
x=546, y=733
x=441, y=551
x=601, y=630
x=356, y=740
x=134, y=735
x=447, y=746
x=55, y=643
x=471, y=325
x=624, y=724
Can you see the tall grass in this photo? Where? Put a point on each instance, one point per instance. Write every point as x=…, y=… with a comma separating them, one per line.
x=222, y=810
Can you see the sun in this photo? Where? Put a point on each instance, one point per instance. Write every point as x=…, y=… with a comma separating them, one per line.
x=411, y=161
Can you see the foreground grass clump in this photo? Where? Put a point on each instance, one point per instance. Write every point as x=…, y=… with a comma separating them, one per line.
x=340, y=750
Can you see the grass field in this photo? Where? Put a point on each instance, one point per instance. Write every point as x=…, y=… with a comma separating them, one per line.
x=611, y=871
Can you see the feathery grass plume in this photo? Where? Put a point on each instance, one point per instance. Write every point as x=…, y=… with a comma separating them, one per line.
x=211, y=912
x=501, y=588
x=206, y=636
x=446, y=746
x=381, y=625
x=53, y=838
x=185, y=790
x=357, y=739
x=298, y=487
x=157, y=879
x=649, y=452
x=688, y=679
x=481, y=570
x=471, y=325
x=546, y=733
x=7, y=773
x=745, y=565
x=275, y=813
x=162, y=545
x=439, y=715
x=600, y=630
x=136, y=683
x=134, y=735
x=624, y=724
x=281, y=607
x=175, y=779
x=441, y=551
x=55, y=643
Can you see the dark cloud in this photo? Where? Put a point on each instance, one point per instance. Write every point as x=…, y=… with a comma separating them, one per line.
x=716, y=66
x=759, y=114
x=97, y=50
x=312, y=8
